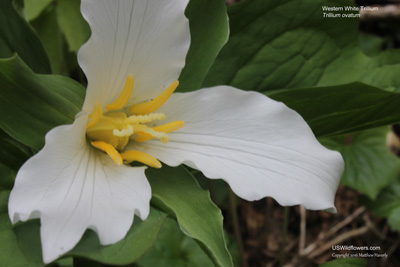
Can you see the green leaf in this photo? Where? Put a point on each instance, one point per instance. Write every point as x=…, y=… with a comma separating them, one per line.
x=387, y=204
x=14, y=252
x=289, y=44
x=177, y=192
x=346, y=262
x=7, y=177
x=12, y=155
x=49, y=32
x=394, y=219
x=342, y=109
x=369, y=165
x=72, y=24
x=371, y=44
x=209, y=31
x=17, y=36
x=32, y=104
x=173, y=248
x=33, y=8
x=137, y=242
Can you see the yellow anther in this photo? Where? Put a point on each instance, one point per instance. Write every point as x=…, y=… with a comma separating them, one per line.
x=156, y=103
x=95, y=116
x=144, y=158
x=124, y=96
x=136, y=119
x=169, y=127
x=110, y=150
x=166, y=128
x=112, y=131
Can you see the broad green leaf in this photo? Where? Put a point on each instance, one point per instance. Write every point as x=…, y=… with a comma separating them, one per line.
x=17, y=36
x=7, y=177
x=33, y=8
x=209, y=31
x=342, y=109
x=173, y=248
x=137, y=242
x=177, y=192
x=72, y=24
x=13, y=252
x=19, y=7
x=219, y=189
x=28, y=236
x=12, y=155
x=32, y=104
x=346, y=262
x=394, y=219
x=282, y=44
x=387, y=204
x=371, y=45
x=369, y=165
x=49, y=32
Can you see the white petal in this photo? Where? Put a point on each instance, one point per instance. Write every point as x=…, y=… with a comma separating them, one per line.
x=257, y=145
x=146, y=38
x=71, y=187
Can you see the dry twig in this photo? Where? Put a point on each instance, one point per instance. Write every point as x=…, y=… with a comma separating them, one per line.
x=338, y=240
x=302, y=242
x=309, y=249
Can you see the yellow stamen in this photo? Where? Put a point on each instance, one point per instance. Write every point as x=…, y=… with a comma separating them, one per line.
x=144, y=118
x=156, y=103
x=111, y=132
x=95, y=116
x=124, y=132
x=166, y=128
x=144, y=158
x=149, y=131
x=169, y=127
x=110, y=150
x=122, y=100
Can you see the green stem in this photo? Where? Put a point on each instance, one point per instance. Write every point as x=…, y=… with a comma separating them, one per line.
x=284, y=235
x=236, y=227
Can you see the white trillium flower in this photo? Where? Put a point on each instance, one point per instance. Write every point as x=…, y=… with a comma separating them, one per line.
x=81, y=180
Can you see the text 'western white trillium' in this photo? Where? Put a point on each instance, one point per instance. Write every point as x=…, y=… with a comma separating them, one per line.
x=81, y=178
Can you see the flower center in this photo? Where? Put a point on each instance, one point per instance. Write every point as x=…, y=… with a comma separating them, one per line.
x=111, y=131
